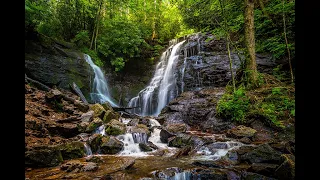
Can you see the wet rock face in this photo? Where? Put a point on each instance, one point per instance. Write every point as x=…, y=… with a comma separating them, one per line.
x=204, y=63
x=196, y=109
x=57, y=65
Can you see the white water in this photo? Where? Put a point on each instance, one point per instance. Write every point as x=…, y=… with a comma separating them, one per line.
x=161, y=88
x=130, y=148
x=204, y=153
x=100, y=91
x=87, y=149
x=168, y=82
x=101, y=130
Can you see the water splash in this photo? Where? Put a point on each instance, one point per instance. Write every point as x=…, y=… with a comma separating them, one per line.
x=130, y=147
x=100, y=91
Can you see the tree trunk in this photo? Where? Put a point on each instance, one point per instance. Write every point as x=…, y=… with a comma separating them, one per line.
x=228, y=42
x=250, y=66
x=285, y=37
x=95, y=29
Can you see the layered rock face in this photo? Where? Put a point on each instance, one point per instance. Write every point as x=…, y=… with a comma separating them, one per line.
x=58, y=64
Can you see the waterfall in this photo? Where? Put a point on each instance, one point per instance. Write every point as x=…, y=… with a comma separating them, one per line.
x=100, y=91
x=130, y=147
x=162, y=87
x=140, y=137
x=87, y=149
x=100, y=130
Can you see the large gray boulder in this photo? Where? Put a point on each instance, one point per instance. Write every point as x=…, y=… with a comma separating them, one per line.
x=52, y=63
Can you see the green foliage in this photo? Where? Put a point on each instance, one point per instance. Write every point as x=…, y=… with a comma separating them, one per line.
x=233, y=106
x=81, y=39
x=118, y=63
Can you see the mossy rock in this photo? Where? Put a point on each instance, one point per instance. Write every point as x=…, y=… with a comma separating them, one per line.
x=111, y=145
x=47, y=157
x=177, y=128
x=98, y=110
x=110, y=115
x=179, y=141
x=82, y=127
x=144, y=147
x=94, y=142
x=72, y=150
x=94, y=124
x=107, y=106
x=141, y=128
x=115, y=127
x=287, y=169
x=241, y=131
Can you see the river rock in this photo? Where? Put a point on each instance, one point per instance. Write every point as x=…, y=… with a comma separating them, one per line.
x=107, y=106
x=95, y=159
x=109, y=115
x=98, y=110
x=44, y=157
x=177, y=128
x=241, y=131
x=87, y=117
x=144, y=147
x=181, y=140
x=66, y=130
x=286, y=170
x=71, y=165
x=94, y=142
x=72, y=150
x=165, y=135
x=263, y=168
x=111, y=145
x=90, y=166
x=115, y=127
x=262, y=154
x=94, y=124
x=249, y=176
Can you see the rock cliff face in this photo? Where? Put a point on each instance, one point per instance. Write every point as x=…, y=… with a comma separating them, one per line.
x=54, y=63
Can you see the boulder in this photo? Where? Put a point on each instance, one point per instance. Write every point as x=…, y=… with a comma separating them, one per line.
x=109, y=115
x=144, y=147
x=71, y=150
x=115, y=127
x=90, y=166
x=111, y=145
x=181, y=140
x=241, y=131
x=286, y=170
x=71, y=165
x=98, y=110
x=44, y=157
x=165, y=135
x=262, y=154
x=57, y=65
x=94, y=124
x=94, y=141
x=176, y=128
x=87, y=117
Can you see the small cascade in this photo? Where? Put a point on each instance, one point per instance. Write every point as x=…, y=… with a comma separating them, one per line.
x=154, y=122
x=100, y=91
x=140, y=137
x=184, y=68
x=155, y=139
x=100, y=130
x=130, y=147
x=216, y=150
x=87, y=149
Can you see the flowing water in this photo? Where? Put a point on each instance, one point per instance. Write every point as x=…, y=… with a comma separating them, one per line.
x=162, y=87
x=87, y=149
x=100, y=91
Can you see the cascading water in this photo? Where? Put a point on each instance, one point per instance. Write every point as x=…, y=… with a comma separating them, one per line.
x=162, y=87
x=87, y=149
x=100, y=92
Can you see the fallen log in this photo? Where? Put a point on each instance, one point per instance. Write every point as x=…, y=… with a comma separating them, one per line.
x=37, y=83
x=77, y=90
